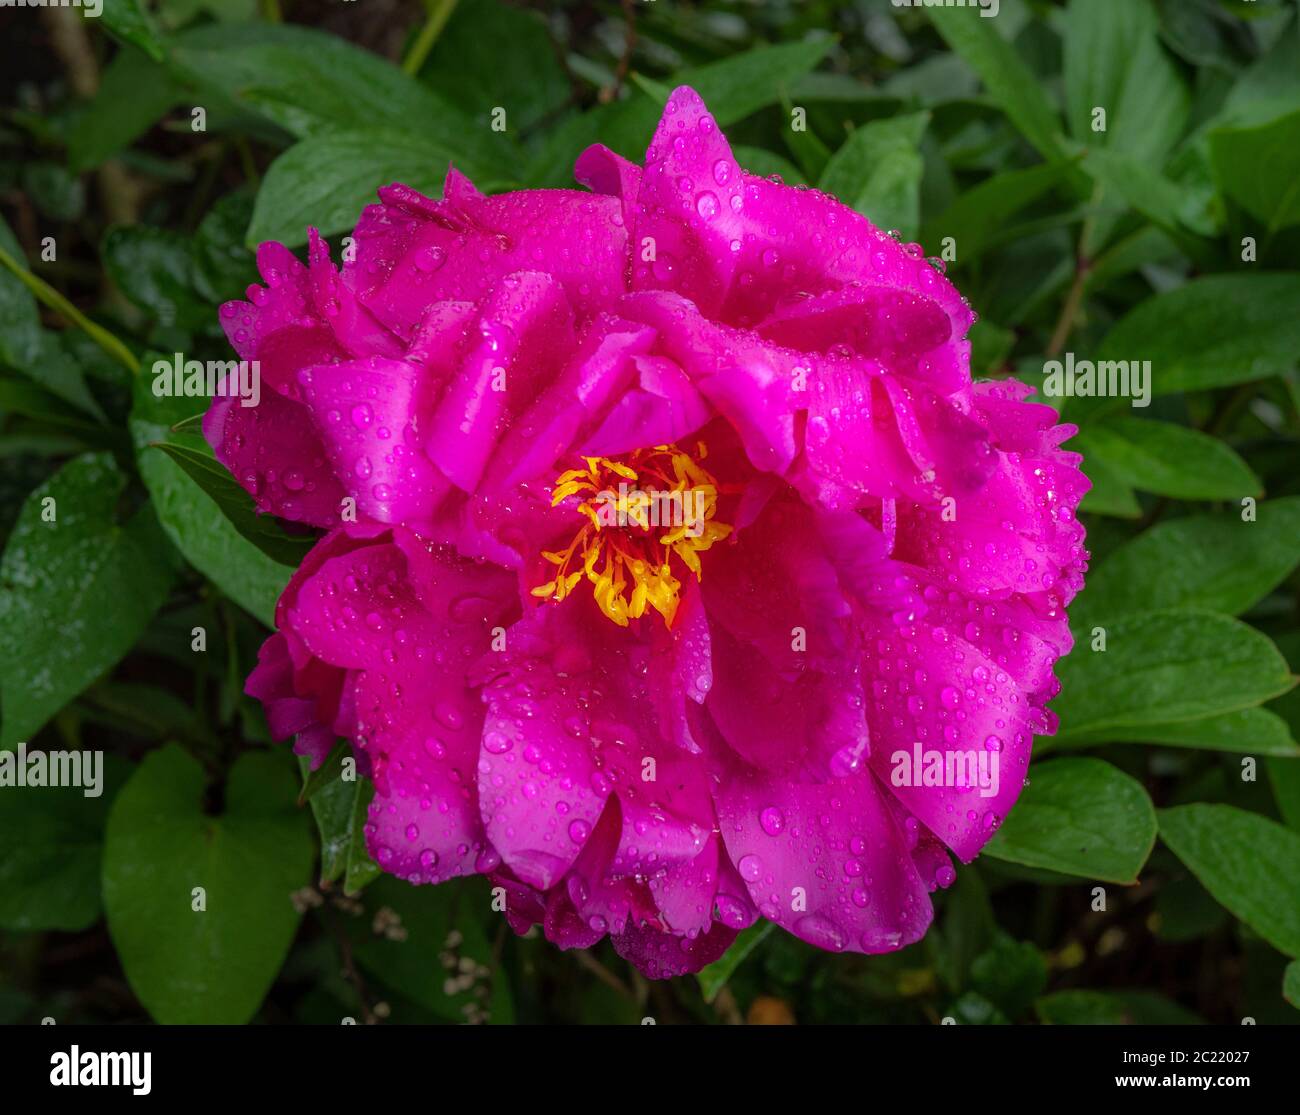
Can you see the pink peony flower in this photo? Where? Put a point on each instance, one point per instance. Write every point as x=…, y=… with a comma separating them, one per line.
x=676, y=572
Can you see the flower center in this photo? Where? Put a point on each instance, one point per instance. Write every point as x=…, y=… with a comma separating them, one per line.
x=656, y=505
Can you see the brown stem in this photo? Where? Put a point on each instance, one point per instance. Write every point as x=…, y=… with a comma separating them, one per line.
x=611, y=92
x=350, y=971
x=68, y=37
x=597, y=969
x=1070, y=311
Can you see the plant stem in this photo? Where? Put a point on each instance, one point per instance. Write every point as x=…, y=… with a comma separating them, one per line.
x=1070, y=311
x=50, y=297
x=1082, y=267
x=439, y=12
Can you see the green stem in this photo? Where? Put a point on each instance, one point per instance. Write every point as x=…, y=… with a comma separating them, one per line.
x=50, y=297
x=439, y=12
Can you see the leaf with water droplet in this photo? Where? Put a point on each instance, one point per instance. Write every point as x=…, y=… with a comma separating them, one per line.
x=1079, y=817
x=75, y=592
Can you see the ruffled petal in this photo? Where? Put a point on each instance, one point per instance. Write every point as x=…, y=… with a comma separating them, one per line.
x=274, y=452
x=951, y=732
x=824, y=860
x=539, y=782
x=368, y=414
x=661, y=955
x=526, y=329
x=412, y=250
x=406, y=620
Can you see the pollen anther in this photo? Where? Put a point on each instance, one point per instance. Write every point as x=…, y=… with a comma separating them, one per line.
x=642, y=512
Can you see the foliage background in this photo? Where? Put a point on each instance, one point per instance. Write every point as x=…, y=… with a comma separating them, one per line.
x=1123, y=244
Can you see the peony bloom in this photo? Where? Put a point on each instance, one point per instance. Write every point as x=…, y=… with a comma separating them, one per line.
x=675, y=569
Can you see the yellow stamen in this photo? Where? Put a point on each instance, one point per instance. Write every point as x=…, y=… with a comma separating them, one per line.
x=665, y=508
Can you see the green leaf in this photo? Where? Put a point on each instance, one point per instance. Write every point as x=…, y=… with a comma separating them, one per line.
x=341, y=810
x=976, y=216
x=154, y=268
x=878, y=171
x=223, y=265
x=1168, y=459
x=20, y=396
x=1284, y=777
x=29, y=349
x=49, y=874
x=1007, y=78
x=742, y=84
x=1249, y=731
x=129, y=21
x=1270, y=87
x=891, y=196
x=1204, y=33
x=1168, y=204
x=75, y=592
x=316, y=780
x=1250, y=864
x=1079, y=817
x=311, y=82
x=20, y=322
x=56, y=192
x=237, y=505
x=359, y=869
x=192, y=520
x=1217, y=562
x=968, y=928
x=1104, y=1008
x=333, y=805
x=1211, y=332
x=1259, y=168
x=492, y=55
x=1113, y=59
x=1110, y=493
x=809, y=152
x=990, y=345
x=1010, y=973
x=973, y=1009
x=1291, y=984
x=213, y=965
x=713, y=977
x=851, y=166
x=134, y=94
x=326, y=180
x=1165, y=667
x=764, y=163
x=150, y=710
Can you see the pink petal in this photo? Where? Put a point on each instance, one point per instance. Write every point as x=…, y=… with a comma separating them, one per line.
x=526, y=329
x=368, y=414
x=412, y=250
x=273, y=450
x=660, y=955
x=824, y=860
